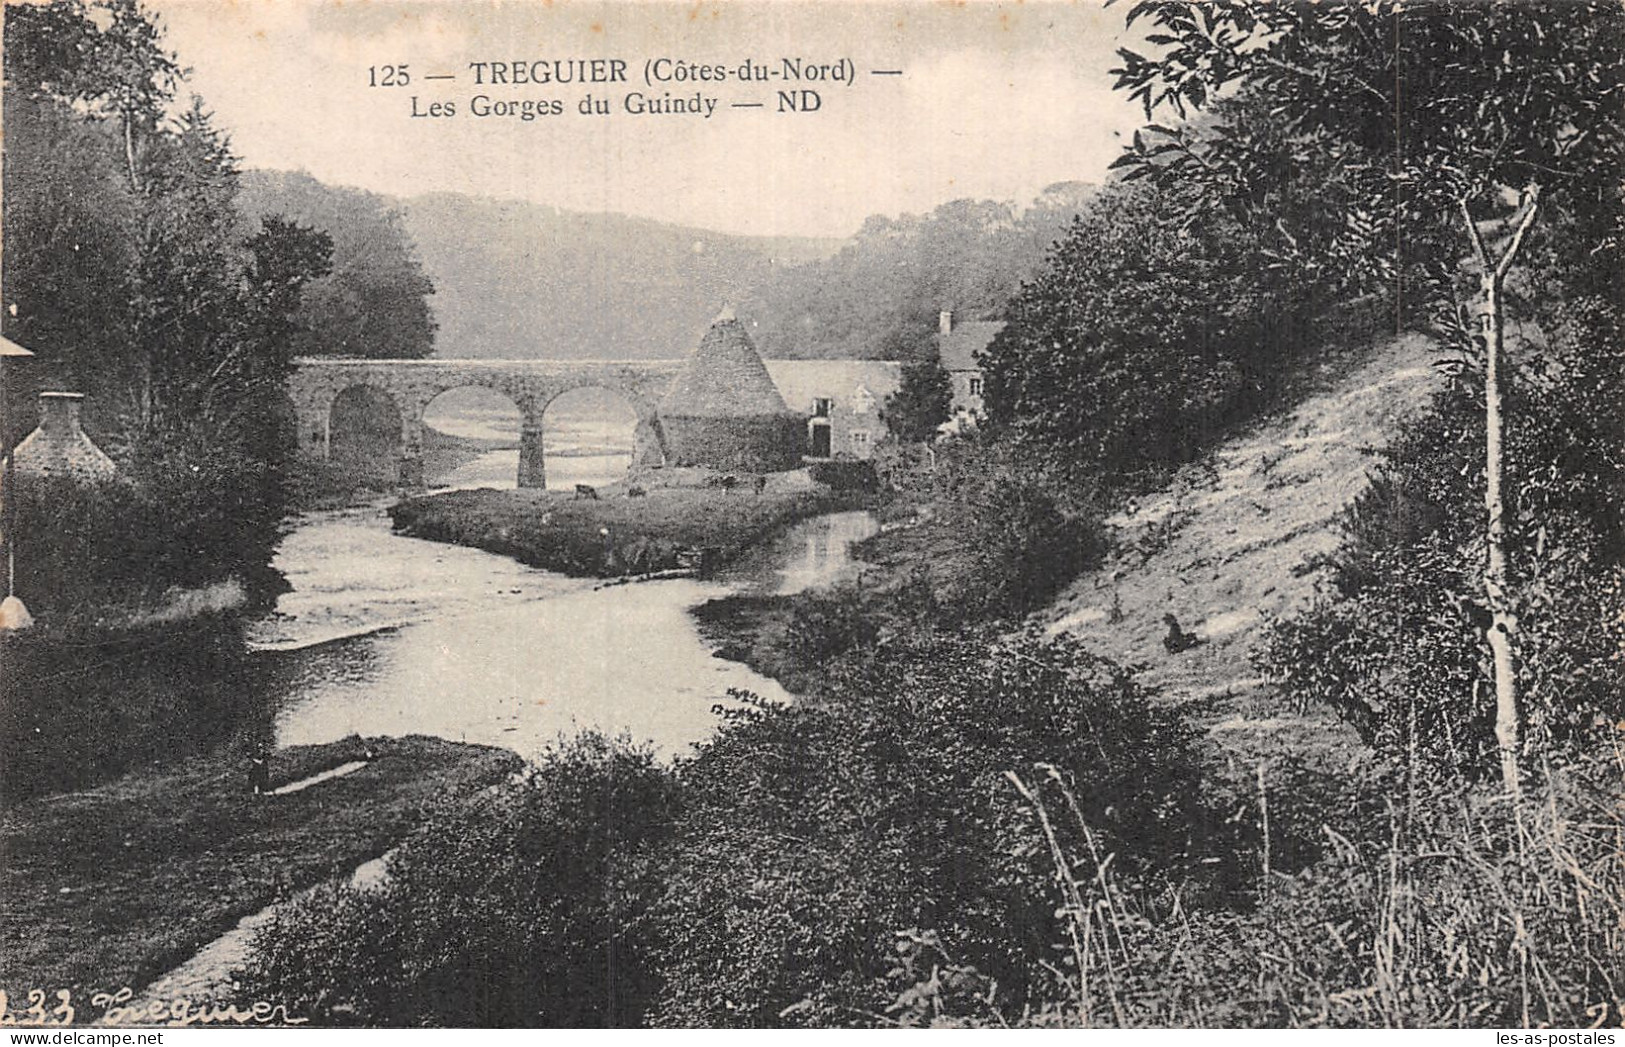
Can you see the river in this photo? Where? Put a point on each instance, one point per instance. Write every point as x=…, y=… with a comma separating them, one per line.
x=387, y=635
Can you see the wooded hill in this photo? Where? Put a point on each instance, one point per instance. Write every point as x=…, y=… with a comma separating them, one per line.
x=518, y=280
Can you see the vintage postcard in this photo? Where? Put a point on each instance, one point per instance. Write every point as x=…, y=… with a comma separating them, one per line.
x=812, y=514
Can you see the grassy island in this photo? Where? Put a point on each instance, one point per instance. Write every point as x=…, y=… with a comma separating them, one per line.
x=680, y=521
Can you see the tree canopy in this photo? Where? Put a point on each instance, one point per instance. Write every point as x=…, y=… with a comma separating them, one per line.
x=922, y=402
x=375, y=302
x=133, y=275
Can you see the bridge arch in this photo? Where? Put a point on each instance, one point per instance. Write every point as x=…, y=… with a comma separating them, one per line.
x=482, y=413
x=601, y=428
x=530, y=384
x=365, y=433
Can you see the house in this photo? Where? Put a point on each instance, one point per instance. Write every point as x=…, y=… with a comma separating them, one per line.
x=957, y=346
x=839, y=401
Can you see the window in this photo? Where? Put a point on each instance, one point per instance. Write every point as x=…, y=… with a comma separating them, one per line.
x=976, y=385
x=822, y=406
x=859, y=438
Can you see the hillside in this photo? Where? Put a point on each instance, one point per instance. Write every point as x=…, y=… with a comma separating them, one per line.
x=520, y=280
x=513, y=279
x=1231, y=541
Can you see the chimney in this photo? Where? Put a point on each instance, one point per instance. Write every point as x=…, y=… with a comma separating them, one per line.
x=945, y=321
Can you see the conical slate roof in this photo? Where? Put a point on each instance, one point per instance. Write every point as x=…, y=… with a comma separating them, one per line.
x=725, y=378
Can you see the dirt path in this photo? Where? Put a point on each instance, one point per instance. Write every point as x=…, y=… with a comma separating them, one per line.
x=1229, y=544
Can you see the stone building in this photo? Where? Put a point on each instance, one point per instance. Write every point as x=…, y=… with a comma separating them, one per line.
x=837, y=402
x=957, y=345
x=723, y=410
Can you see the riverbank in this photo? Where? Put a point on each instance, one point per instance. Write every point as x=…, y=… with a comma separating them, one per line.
x=113, y=886
x=699, y=525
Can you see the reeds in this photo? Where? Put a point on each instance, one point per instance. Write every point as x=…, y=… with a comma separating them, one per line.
x=1461, y=909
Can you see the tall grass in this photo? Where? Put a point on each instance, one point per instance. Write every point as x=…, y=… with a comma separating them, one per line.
x=1460, y=909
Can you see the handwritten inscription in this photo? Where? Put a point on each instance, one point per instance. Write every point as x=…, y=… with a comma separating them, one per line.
x=113, y=1008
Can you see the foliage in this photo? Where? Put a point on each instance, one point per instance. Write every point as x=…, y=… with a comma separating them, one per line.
x=179, y=692
x=767, y=878
x=996, y=538
x=880, y=296
x=923, y=401
x=813, y=834
x=1449, y=910
x=1485, y=119
x=133, y=276
x=1397, y=647
x=134, y=876
x=531, y=913
x=375, y=302
x=844, y=475
x=1141, y=341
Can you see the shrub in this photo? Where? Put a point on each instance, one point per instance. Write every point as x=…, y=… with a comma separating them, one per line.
x=1397, y=648
x=529, y=913
x=813, y=835
x=86, y=704
x=847, y=476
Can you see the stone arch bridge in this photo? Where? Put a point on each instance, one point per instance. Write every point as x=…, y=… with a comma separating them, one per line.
x=530, y=384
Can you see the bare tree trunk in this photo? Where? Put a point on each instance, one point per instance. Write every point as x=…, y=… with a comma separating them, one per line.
x=1503, y=627
x=129, y=150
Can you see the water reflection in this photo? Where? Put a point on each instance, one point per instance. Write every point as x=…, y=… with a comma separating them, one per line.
x=811, y=554
x=511, y=656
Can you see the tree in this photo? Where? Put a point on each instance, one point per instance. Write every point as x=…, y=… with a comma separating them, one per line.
x=923, y=401
x=1143, y=335
x=1480, y=116
x=375, y=300
x=132, y=273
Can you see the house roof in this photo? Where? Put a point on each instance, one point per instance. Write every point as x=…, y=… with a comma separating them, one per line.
x=724, y=378
x=958, y=348
x=803, y=381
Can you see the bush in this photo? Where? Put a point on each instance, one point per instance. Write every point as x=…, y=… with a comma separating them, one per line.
x=1145, y=338
x=83, y=705
x=846, y=476
x=812, y=836
x=1397, y=648
x=1457, y=912
x=530, y=913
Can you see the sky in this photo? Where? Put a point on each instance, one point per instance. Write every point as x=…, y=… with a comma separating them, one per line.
x=992, y=101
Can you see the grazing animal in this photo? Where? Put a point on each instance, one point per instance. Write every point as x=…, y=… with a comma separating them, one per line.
x=761, y=484
x=1177, y=639
x=635, y=492
x=586, y=491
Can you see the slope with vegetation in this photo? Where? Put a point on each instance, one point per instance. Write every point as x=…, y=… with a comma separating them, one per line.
x=1241, y=536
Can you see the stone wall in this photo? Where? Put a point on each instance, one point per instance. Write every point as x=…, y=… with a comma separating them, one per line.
x=749, y=443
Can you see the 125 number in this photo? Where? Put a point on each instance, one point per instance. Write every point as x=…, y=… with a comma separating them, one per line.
x=388, y=76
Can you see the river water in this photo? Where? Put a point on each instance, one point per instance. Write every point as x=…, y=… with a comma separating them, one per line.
x=386, y=635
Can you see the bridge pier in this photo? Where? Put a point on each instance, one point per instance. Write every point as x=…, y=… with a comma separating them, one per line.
x=532, y=457
x=411, y=477
x=646, y=449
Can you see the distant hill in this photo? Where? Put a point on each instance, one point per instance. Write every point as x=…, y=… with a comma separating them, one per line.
x=519, y=280
x=879, y=297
